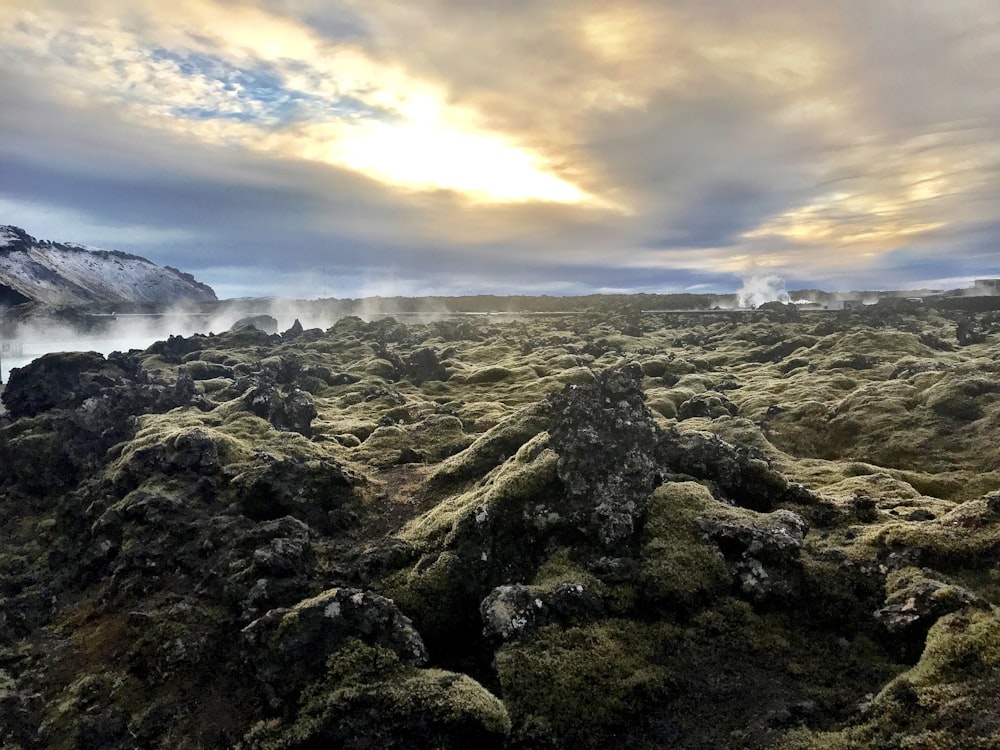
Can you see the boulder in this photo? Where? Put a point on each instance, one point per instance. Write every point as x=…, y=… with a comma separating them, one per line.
x=423, y=365
x=608, y=447
x=741, y=473
x=288, y=648
x=710, y=405
x=370, y=698
x=292, y=411
x=62, y=381
x=515, y=611
x=319, y=492
x=915, y=599
x=265, y=323
x=762, y=551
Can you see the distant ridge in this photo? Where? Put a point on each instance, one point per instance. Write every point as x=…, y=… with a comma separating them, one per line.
x=69, y=275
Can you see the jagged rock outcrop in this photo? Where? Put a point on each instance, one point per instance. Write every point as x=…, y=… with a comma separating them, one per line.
x=83, y=405
x=608, y=447
x=320, y=492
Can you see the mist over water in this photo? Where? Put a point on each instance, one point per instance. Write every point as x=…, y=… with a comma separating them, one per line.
x=122, y=332
x=115, y=334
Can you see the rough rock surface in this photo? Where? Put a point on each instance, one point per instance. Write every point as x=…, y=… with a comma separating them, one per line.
x=512, y=611
x=289, y=647
x=762, y=552
x=608, y=446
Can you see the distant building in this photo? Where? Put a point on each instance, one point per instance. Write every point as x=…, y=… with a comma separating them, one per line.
x=844, y=304
x=987, y=286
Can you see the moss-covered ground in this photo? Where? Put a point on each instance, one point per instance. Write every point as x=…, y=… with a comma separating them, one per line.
x=859, y=611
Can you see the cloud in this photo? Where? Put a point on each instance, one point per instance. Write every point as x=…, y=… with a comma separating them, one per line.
x=456, y=145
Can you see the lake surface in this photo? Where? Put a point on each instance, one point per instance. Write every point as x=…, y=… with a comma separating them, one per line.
x=34, y=348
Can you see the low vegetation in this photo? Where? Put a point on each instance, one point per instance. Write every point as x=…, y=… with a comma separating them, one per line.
x=768, y=529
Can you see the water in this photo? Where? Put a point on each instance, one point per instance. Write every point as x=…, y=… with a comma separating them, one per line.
x=34, y=348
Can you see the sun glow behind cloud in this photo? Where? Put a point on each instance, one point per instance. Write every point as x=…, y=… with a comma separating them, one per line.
x=481, y=166
x=329, y=103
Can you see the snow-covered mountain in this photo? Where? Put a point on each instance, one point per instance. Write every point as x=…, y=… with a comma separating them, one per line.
x=62, y=274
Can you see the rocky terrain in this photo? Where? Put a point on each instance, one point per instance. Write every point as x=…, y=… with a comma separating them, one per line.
x=68, y=275
x=765, y=529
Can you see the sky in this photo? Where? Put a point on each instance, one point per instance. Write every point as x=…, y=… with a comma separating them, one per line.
x=314, y=148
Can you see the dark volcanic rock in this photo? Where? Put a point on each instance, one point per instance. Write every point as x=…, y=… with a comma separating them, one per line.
x=742, y=473
x=289, y=647
x=60, y=381
x=514, y=611
x=608, y=446
x=265, y=323
x=293, y=411
x=762, y=552
x=319, y=492
x=175, y=348
x=370, y=698
x=294, y=330
x=475, y=562
x=423, y=365
x=915, y=599
x=86, y=405
x=709, y=405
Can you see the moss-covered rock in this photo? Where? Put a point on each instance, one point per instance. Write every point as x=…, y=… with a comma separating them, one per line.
x=948, y=700
x=611, y=529
x=369, y=699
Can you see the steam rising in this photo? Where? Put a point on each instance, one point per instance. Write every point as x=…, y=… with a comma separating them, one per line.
x=122, y=332
x=757, y=290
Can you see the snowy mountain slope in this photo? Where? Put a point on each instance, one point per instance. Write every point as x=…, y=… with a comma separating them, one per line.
x=61, y=274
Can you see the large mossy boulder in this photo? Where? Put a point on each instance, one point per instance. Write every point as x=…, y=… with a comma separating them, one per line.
x=369, y=699
x=288, y=648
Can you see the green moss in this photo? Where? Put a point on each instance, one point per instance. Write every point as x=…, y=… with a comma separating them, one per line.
x=486, y=375
x=678, y=568
x=571, y=376
x=962, y=647
x=657, y=367
x=492, y=448
x=948, y=700
x=968, y=533
x=576, y=688
x=431, y=437
x=369, y=699
x=560, y=567
x=436, y=594
x=520, y=478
